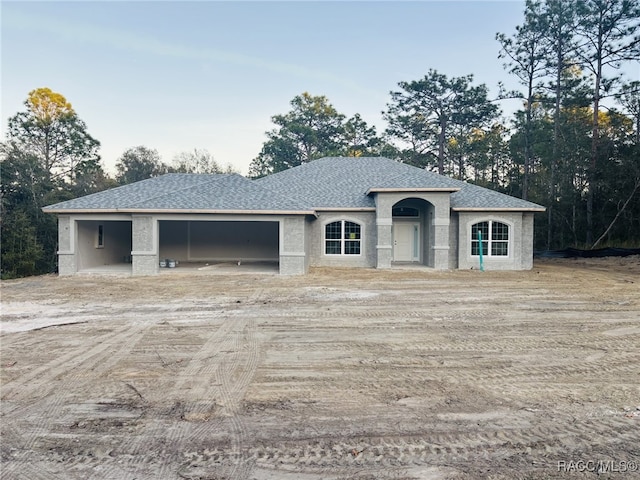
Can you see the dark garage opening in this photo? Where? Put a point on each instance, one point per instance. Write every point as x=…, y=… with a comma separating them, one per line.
x=201, y=242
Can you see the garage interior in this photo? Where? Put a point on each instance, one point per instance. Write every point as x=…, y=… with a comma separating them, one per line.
x=204, y=243
x=104, y=244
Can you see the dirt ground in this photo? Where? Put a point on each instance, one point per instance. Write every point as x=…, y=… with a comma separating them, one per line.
x=340, y=374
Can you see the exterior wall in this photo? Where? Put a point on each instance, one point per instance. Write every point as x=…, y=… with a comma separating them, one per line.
x=453, y=241
x=144, y=252
x=527, y=241
x=293, y=259
x=300, y=242
x=66, y=245
x=439, y=257
x=520, y=241
x=316, y=245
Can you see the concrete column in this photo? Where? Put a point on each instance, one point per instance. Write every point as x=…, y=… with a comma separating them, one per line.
x=440, y=225
x=384, y=223
x=144, y=254
x=293, y=259
x=527, y=242
x=67, y=254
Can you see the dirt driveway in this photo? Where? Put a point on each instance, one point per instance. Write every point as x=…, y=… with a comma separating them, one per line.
x=411, y=374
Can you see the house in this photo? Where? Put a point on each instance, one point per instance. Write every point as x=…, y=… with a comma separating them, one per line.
x=348, y=212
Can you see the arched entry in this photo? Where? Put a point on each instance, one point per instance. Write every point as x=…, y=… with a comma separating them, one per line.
x=410, y=232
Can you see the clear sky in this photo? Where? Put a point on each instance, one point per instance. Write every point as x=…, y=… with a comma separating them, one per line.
x=181, y=75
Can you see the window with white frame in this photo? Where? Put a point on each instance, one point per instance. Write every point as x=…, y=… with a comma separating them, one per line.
x=495, y=239
x=342, y=238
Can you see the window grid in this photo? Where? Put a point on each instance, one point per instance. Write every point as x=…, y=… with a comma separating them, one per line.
x=342, y=238
x=495, y=239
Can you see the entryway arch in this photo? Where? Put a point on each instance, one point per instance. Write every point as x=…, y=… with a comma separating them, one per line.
x=411, y=235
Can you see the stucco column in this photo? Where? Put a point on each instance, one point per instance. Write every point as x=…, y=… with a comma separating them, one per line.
x=67, y=259
x=293, y=258
x=384, y=223
x=440, y=225
x=144, y=254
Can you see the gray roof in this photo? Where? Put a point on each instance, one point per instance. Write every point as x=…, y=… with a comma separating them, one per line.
x=179, y=191
x=332, y=182
x=343, y=182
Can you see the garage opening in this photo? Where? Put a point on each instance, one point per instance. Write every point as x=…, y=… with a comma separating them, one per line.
x=212, y=243
x=104, y=245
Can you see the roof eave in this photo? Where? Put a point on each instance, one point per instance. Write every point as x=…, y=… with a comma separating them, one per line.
x=345, y=209
x=173, y=210
x=413, y=189
x=498, y=209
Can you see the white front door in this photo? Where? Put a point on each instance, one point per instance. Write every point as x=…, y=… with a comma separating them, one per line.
x=405, y=242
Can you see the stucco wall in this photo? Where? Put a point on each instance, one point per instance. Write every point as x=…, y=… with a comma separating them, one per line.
x=316, y=252
x=293, y=259
x=527, y=241
x=145, y=245
x=66, y=246
x=453, y=240
x=520, y=241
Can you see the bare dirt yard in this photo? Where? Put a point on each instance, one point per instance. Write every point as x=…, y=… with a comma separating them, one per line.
x=340, y=374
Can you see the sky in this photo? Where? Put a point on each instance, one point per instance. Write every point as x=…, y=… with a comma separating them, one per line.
x=174, y=76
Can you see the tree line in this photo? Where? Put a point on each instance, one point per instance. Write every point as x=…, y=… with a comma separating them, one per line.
x=50, y=157
x=572, y=146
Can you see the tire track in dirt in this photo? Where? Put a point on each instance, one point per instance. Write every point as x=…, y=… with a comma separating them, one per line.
x=567, y=435
x=31, y=382
x=625, y=363
x=98, y=359
x=200, y=370
x=208, y=390
x=232, y=378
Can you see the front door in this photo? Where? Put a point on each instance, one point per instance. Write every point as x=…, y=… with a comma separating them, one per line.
x=405, y=242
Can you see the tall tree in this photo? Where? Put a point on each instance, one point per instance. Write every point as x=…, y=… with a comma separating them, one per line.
x=28, y=235
x=560, y=20
x=525, y=54
x=312, y=129
x=51, y=130
x=139, y=163
x=197, y=161
x=423, y=114
x=609, y=33
x=629, y=98
x=49, y=157
x=360, y=139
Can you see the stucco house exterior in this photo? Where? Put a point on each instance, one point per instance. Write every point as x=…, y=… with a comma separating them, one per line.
x=350, y=212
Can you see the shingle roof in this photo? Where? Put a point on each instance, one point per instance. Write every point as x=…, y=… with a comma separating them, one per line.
x=343, y=182
x=176, y=191
x=332, y=182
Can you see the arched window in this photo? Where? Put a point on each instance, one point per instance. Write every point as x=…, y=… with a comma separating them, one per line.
x=342, y=238
x=495, y=239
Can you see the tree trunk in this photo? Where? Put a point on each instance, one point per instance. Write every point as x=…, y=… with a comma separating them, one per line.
x=615, y=219
x=441, y=142
x=595, y=132
x=527, y=141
